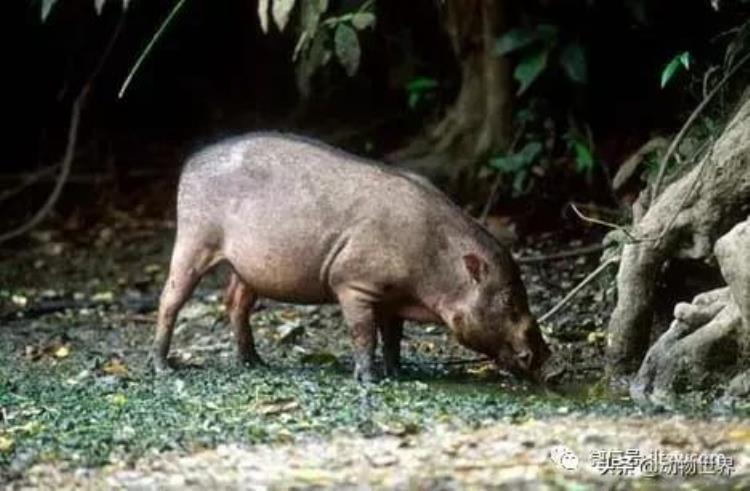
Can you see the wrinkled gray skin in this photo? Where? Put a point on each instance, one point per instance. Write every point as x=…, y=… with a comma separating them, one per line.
x=302, y=222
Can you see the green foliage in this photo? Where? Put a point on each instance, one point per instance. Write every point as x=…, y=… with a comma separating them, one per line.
x=47, y=5
x=518, y=165
x=682, y=60
x=92, y=421
x=514, y=40
x=281, y=11
x=573, y=61
x=541, y=156
x=321, y=34
x=347, y=48
x=530, y=67
x=420, y=89
x=581, y=149
x=535, y=47
x=47, y=8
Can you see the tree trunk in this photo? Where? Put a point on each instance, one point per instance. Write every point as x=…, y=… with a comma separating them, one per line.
x=479, y=122
x=695, y=210
x=707, y=343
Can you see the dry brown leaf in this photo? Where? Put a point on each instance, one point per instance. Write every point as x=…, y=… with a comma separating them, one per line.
x=61, y=351
x=6, y=444
x=276, y=407
x=741, y=435
x=115, y=367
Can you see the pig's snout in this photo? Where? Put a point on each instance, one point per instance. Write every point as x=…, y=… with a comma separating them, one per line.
x=529, y=355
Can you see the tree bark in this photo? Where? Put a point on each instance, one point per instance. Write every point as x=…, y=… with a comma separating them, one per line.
x=688, y=217
x=479, y=121
x=708, y=341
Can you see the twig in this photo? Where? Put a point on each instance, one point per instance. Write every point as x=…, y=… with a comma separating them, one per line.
x=149, y=47
x=499, y=177
x=604, y=223
x=578, y=288
x=580, y=251
x=28, y=180
x=693, y=117
x=687, y=195
x=707, y=78
x=41, y=214
x=46, y=174
x=599, y=209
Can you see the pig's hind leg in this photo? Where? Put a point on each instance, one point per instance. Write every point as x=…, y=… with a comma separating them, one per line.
x=239, y=300
x=190, y=261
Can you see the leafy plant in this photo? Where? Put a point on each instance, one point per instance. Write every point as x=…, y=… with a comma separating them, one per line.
x=47, y=5
x=518, y=165
x=681, y=60
x=580, y=146
x=420, y=89
x=538, y=45
x=321, y=36
x=541, y=150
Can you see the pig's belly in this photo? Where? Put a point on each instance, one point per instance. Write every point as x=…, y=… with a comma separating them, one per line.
x=289, y=275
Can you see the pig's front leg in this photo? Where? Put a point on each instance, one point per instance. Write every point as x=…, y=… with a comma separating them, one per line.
x=359, y=314
x=391, y=332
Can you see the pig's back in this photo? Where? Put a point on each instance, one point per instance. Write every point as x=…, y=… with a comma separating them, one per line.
x=296, y=176
x=283, y=204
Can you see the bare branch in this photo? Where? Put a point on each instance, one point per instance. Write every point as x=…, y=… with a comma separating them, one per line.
x=70, y=147
x=578, y=288
x=581, y=251
x=693, y=117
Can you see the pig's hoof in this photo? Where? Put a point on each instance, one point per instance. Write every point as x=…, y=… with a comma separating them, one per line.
x=252, y=361
x=393, y=373
x=161, y=366
x=365, y=376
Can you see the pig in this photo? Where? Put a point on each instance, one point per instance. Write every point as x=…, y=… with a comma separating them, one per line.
x=299, y=221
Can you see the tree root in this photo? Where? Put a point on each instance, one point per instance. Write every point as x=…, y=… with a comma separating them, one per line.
x=707, y=343
x=683, y=222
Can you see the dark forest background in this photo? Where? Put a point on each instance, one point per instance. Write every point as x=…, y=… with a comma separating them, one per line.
x=215, y=73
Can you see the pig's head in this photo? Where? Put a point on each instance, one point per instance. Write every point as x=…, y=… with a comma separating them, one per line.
x=492, y=315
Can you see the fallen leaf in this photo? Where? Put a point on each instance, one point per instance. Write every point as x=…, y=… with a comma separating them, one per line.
x=31, y=352
x=740, y=435
x=381, y=459
x=104, y=297
x=19, y=300
x=288, y=314
x=62, y=351
x=276, y=407
x=118, y=399
x=313, y=476
x=289, y=331
x=484, y=370
x=116, y=367
x=6, y=444
x=399, y=429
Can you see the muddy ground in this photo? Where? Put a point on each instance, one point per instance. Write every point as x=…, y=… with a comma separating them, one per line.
x=79, y=407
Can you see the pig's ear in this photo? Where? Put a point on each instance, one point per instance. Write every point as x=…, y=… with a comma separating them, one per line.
x=477, y=267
